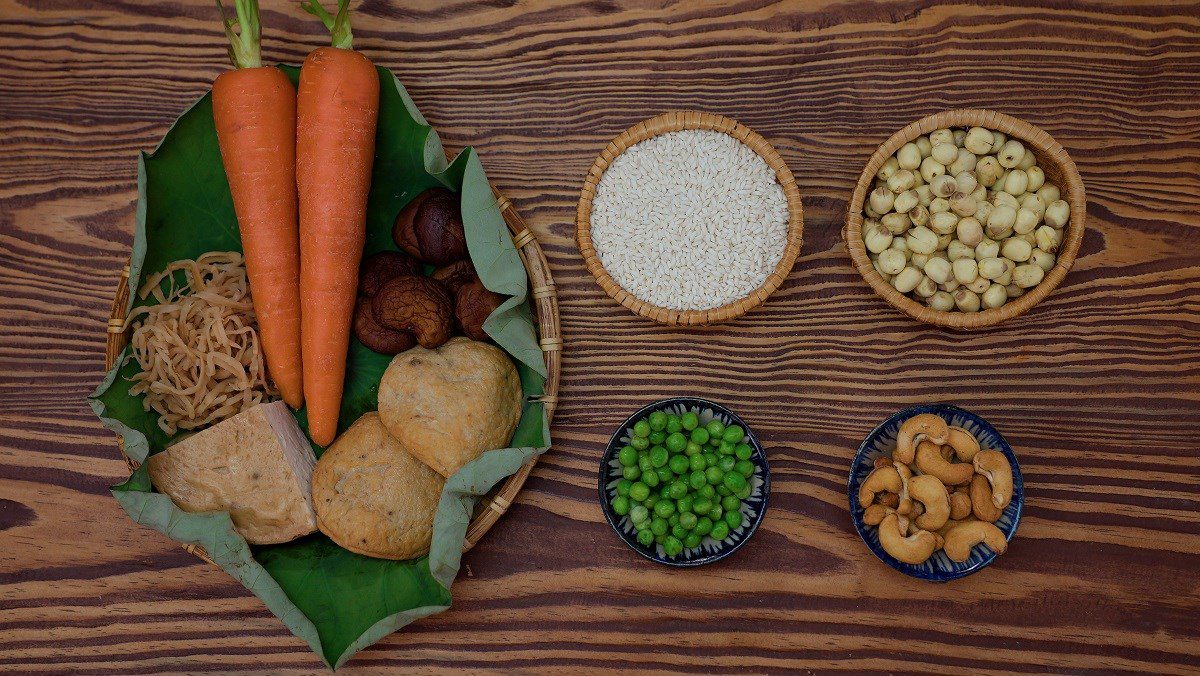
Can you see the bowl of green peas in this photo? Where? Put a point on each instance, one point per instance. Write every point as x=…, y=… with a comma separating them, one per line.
x=684, y=482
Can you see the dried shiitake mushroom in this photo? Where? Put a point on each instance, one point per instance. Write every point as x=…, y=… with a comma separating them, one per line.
x=375, y=337
x=418, y=305
x=430, y=227
x=456, y=275
x=472, y=305
x=378, y=269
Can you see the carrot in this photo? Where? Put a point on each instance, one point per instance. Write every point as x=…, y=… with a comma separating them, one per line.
x=254, y=109
x=336, y=113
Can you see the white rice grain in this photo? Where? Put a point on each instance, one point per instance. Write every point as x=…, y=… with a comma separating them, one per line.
x=689, y=220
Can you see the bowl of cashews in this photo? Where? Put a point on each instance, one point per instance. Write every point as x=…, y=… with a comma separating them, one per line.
x=935, y=492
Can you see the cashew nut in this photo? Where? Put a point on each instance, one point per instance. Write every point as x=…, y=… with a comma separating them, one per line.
x=981, y=500
x=882, y=461
x=912, y=549
x=929, y=491
x=874, y=514
x=954, y=523
x=930, y=426
x=882, y=479
x=964, y=443
x=905, y=505
x=888, y=499
x=961, y=539
x=960, y=505
x=994, y=466
x=930, y=461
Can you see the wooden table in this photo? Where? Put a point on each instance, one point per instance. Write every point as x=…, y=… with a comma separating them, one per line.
x=1098, y=389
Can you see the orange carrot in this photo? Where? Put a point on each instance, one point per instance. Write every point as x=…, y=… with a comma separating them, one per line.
x=336, y=113
x=254, y=108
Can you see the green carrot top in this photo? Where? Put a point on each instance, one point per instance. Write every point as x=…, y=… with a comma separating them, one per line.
x=338, y=26
x=244, y=48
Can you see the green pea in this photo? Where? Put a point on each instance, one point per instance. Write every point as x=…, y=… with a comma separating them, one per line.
x=623, y=487
x=734, y=481
x=657, y=420
x=679, y=531
x=659, y=539
x=680, y=464
x=733, y=434
x=697, y=463
x=734, y=519
x=620, y=505
x=702, y=506
x=639, y=491
x=743, y=451
x=644, y=463
x=640, y=443
x=720, y=531
x=673, y=520
x=664, y=474
x=726, y=463
x=638, y=514
x=722, y=490
x=715, y=428
x=714, y=443
x=674, y=424
x=700, y=435
x=657, y=438
x=641, y=429
x=703, y=526
x=632, y=473
x=745, y=468
x=692, y=540
x=690, y=421
x=707, y=491
x=658, y=525
x=725, y=448
x=684, y=504
x=645, y=538
x=688, y=520
x=664, y=508
x=628, y=456
x=731, y=503
x=664, y=490
x=716, y=512
x=697, y=479
x=650, y=479
x=676, y=442
x=673, y=546
x=745, y=492
x=711, y=459
x=651, y=501
x=677, y=489
x=693, y=448
x=659, y=456
x=714, y=475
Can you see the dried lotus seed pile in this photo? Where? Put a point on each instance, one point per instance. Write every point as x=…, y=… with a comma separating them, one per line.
x=963, y=219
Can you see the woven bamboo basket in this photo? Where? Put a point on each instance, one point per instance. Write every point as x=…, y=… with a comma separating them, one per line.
x=1051, y=157
x=545, y=307
x=677, y=121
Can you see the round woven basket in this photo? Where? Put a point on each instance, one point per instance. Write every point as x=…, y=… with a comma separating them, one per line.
x=545, y=306
x=1051, y=157
x=678, y=121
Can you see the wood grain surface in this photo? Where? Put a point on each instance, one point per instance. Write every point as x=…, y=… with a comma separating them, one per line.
x=1098, y=388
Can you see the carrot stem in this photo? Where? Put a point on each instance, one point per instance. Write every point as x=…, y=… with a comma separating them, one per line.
x=338, y=26
x=244, y=48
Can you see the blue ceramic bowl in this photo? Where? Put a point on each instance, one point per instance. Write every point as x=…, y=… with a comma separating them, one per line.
x=709, y=550
x=882, y=441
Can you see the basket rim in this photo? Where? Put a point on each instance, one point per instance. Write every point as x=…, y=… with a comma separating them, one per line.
x=679, y=121
x=1050, y=154
x=543, y=297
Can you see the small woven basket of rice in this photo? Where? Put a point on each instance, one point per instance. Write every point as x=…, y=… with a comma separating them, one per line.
x=680, y=121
